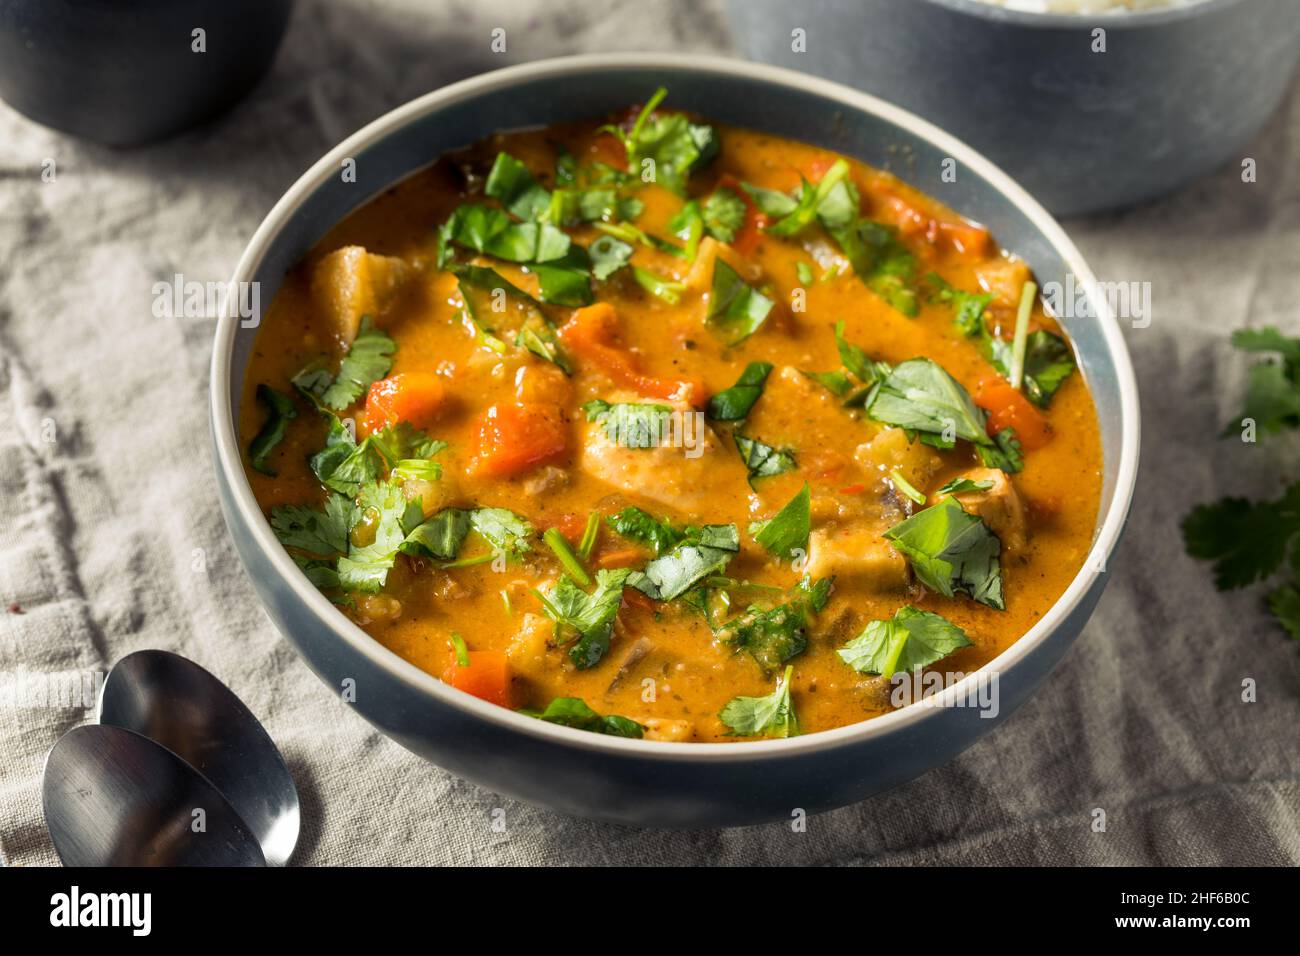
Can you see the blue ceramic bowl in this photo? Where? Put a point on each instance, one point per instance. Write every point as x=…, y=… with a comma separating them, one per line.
x=635, y=781
x=1180, y=91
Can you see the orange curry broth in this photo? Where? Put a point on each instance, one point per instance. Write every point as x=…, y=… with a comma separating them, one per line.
x=691, y=674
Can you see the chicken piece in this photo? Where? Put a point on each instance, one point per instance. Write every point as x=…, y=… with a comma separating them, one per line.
x=892, y=450
x=1000, y=506
x=351, y=282
x=684, y=470
x=660, y=728
x=856, y=553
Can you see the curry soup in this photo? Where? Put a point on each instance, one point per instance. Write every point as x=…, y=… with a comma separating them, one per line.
x=672, y=430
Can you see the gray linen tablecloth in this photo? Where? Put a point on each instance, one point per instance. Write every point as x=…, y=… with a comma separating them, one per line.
x=111, y=539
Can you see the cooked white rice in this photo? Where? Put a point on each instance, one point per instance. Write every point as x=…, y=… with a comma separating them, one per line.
x=1088, y=6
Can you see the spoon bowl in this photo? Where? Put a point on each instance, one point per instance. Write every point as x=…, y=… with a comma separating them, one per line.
x=115, y=798
x=176, y=703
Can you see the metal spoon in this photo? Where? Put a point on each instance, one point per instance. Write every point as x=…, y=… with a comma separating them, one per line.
x=114, y=798
x=178, y=704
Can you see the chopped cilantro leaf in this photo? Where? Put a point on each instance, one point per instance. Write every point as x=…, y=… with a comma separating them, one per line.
x=774, y=635
x=688, y=225
x=763, y=461
x=608, y=255
x=772, y=715
x=959, y=486
x=787, y=531
x=574, y=712
x=321, y=533
x=511, y=182
x=912, y=638
x=639, y=526
x=952, y=550
x=920, y=396
x=505, y=531
x=659, y=287
x=591, y=616
x=968, y=307
x=810, y=198
x=666, y=147
x=689, y=562
x=734, y=403
x=735, y=309
x=384, y=509
x=630, y=424
x=492, y=232
x=724, y=215
x=280, y=411
x=439, y=536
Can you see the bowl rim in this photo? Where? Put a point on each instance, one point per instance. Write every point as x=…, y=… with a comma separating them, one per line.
x=1122, y=19
x=229, y=461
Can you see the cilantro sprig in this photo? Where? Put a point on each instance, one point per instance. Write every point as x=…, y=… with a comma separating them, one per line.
x=1252, y=541
x=1248, y=542
x=1272, y=385
x=666, y=147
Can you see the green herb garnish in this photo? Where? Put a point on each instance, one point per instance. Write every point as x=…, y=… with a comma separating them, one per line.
x=763, y=461
x=952, y=550
x=912, y=638
x=734, y=403
x=574, y=712
x=590, y=616
x=735, y=310
x=280, y=410
x=787, y=531
x=772, y=715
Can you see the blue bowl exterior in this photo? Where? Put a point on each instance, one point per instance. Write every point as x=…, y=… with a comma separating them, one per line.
x=1175, y=96
x=626, y=786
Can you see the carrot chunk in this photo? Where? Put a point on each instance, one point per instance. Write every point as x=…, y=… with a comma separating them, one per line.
x=1007, y=408
x=510, y=439
x=414, y=397
x=968, y=240
x=591, y=335
x=487, y=676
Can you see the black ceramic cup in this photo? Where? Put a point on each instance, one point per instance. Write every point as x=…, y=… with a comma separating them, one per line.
x=123, y=74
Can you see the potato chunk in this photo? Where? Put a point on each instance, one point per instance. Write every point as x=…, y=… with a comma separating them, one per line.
x=351, y=282
x=858, y=554
x=527, y=649
x=892, y=450
x=1000, y=506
